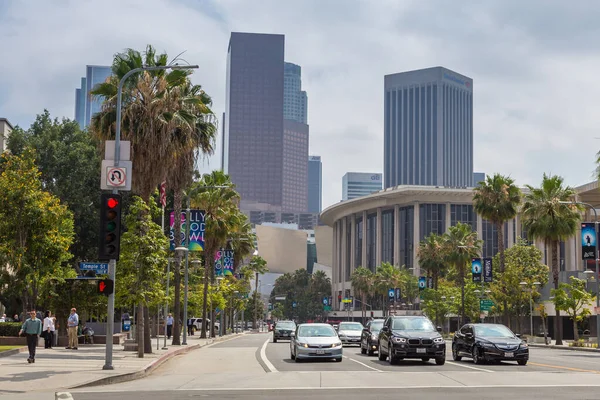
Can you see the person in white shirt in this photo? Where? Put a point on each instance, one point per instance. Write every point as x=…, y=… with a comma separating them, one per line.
x=3, y=318
x=48, y=330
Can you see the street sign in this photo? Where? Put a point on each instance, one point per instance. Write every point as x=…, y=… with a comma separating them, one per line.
x=294, y=304
x=279, y=298
x=325, y=301
x=115, y=177
x=485, y=304
x=326, y=308
x=346, y=301
x=98, y=268
x=124, y=150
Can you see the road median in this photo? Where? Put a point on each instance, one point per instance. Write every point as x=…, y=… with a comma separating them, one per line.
x=562, y=347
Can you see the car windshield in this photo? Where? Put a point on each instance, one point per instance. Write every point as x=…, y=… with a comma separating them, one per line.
x=413, y=324
x=351, y=327
x=316, y=331
x=499, y=331
x=376, y=326
x=285, y=325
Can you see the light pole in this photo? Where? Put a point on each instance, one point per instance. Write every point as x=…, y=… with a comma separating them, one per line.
x=597, y=268
x=219, y=279
x=182, y=249
x=170, y=260
x=524, y=285
x=112, y=265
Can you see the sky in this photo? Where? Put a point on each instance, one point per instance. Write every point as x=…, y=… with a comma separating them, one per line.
x=534, y=63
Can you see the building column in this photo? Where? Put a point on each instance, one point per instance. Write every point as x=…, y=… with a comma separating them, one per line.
x=397, y=235
x=448, y=216
x=363, y=261
x=518, y=230
x=344, y=263
x=378, y=238
x=511, y=237
x=353, y=242
x=334, y=269
x=479, y=226
x=416, y=238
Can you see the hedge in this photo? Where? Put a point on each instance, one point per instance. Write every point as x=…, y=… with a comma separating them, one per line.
x=10, y=328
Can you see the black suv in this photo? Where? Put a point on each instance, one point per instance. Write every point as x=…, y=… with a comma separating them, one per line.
x=283, y=330
x=369, y=341
x=411, y=337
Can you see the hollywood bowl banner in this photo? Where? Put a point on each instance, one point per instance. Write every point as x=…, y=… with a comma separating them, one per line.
x=224, y=262
x=197, y=228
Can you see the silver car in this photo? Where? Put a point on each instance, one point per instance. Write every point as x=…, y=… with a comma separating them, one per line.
x=315, y=341
x=350, y=332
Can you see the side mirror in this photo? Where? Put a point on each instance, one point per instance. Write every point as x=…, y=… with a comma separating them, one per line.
x=518, y=335
x=469, y=335
x=439, y=329
x=293, y=334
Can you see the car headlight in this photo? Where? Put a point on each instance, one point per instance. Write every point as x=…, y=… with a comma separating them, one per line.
x=336, y=344
x=439, y=340
x=398, y=340
x=524, y=345
x=303, y=345
x=374, y=336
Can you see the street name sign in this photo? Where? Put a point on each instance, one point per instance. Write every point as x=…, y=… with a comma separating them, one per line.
x=98, y=268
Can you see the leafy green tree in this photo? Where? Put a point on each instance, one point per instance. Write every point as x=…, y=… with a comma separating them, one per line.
x=497, y=199
x=573, y=298
x=362, y=282
x=387, y=276
x=550, y=220
x=140, y=275
x=36, y=231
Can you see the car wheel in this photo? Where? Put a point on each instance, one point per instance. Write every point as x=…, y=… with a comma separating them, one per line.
x=476, y=357
x=425, y=359
x=455, y=355
x=274, y=340
x=393, y=360
x=440, y=361
x=371, y=352
x=522, y=362
x=339, y=359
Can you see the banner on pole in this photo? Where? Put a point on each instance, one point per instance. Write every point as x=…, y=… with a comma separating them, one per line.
x=197, y=228
x=422, y=283
x=488, y=275
x=224, y=262
x=476, y=269
x=588, y=241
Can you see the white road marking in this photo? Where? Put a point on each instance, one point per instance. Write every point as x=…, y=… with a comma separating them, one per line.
x=363, y=364
x=63, y=396
x=468, y=366
x=263, y=356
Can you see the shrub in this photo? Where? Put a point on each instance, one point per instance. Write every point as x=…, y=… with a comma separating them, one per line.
x=10, y=328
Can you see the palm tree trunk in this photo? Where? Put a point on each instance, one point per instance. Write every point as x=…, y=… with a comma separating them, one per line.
x=364, y=306
x=208, y=260
x=140, y=330
x=500, y=232
x=177, y=199
x=555, y=278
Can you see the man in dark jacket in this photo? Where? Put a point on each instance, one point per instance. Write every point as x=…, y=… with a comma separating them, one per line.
x=32, y=328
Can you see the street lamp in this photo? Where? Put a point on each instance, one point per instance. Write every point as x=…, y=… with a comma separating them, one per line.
x=524, y=285
x=219, y=279
x=182, y=249
x=597, y=267
x=170, y=260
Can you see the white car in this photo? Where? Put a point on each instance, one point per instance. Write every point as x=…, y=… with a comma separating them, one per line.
x=350, y=332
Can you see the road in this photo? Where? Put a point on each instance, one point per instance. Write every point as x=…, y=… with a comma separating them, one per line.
x=251, y=367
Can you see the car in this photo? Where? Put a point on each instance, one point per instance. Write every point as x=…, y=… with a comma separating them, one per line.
x=349, y=332
x=197, y=324
x=412, y=337
x=369, y=340
x=315, y=341
x=489, y=342
x=283, y=330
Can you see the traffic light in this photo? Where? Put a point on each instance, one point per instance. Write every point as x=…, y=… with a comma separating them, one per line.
x=106, y=286
x=110, y=227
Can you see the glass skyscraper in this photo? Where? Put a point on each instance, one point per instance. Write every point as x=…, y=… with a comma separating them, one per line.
x=85, y=105
x=295, y=100
x=428, y=128
x=315, y=184
x=358, y=184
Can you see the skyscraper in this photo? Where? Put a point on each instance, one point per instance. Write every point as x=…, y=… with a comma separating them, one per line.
x=428, y=128
x=315, y=184
x=85, y=105
x=295, y=100
x=253, y=134
x=358, y=184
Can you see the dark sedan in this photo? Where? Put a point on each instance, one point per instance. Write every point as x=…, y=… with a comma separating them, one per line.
x=369, y=341
x=283, y=330
x=489, y=342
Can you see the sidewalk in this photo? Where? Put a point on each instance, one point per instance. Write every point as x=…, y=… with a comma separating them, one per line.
x=59, y=368
x=564, y=346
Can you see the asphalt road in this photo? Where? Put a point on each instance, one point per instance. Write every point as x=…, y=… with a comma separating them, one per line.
x=252, y=367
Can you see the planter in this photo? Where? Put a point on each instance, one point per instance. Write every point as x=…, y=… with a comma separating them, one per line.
x=17, y=341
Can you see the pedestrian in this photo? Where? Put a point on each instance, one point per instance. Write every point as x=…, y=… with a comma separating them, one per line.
x=32, y=327
x=3, y=319
x=49, y=330
x=16, y=318
x=190, y=326
x=72, y=324
x=169, y=325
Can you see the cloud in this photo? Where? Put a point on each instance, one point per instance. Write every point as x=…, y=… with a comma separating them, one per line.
x=534, y=66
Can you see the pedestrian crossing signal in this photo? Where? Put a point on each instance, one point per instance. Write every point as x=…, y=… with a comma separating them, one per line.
x=106, y=286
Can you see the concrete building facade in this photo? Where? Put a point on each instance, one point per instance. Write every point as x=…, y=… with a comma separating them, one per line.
x=358, y=184
x=5, y=130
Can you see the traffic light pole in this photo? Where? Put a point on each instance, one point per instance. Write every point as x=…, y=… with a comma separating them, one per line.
x=110, y=319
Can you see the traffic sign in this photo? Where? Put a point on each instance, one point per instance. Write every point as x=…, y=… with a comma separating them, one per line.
x=294, y=304
x=326, y=308
x=106, y=286
x=485, y=304
x=98, y=268
x=115, y=177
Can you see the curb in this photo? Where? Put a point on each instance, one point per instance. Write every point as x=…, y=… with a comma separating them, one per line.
x=12, y=352
x=148, y=369
x=553, y=346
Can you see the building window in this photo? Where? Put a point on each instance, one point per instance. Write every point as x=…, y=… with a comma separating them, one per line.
x=432, y=219
x=464, y=214
x=359, y=242
x=371, y=241
x=489, y=234
x=406, y=229
x=387, y=238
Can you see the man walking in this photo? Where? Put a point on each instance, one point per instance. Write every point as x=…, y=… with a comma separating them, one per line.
x=72, y=324
x=32, y=327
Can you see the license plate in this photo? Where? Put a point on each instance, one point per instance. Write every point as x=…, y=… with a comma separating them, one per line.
x=421, y=350
x=320, y=351
x=286, y=334
x=509, y=355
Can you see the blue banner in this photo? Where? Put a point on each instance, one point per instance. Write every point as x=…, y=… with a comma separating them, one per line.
x=476, y=269
x=197, y=228
x=588, y=241
x=224, y=262
x=487, y=270
x=422, y=283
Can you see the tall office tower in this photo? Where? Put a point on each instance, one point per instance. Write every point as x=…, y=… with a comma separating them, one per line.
x=85, y=105
x=295, y=100
x=358, y=184
x=478, y=177
x=295, y=166
x=428, y=128
x=254, y=132
x=315, y=184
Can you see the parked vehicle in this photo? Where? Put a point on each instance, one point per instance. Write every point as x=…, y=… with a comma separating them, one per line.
x=369, y=341
x=283, y=330
x=489, y=342
x=314, y=341
x=349, y=332
x=411, y=337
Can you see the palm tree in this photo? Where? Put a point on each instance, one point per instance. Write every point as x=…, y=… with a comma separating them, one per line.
x=463, y=246
x=362, y=283
x=549, y=220
x=241, y=239
x=387, y=276
x=219, y=204
x=497, y=199
x=257, y=265
x=432, y=256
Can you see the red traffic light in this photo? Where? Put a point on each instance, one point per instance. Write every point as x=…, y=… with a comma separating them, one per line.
x=106, y=286
x=112, y=202
x=102, y=287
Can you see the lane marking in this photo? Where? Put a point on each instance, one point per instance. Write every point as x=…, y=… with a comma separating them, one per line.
x=214, y=343
x=565, y=368
x=467, y=366
x=361, y=363
x=263, y=356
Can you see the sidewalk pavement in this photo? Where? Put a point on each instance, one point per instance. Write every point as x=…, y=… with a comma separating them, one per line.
x=564, y=346
x=58, y=368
